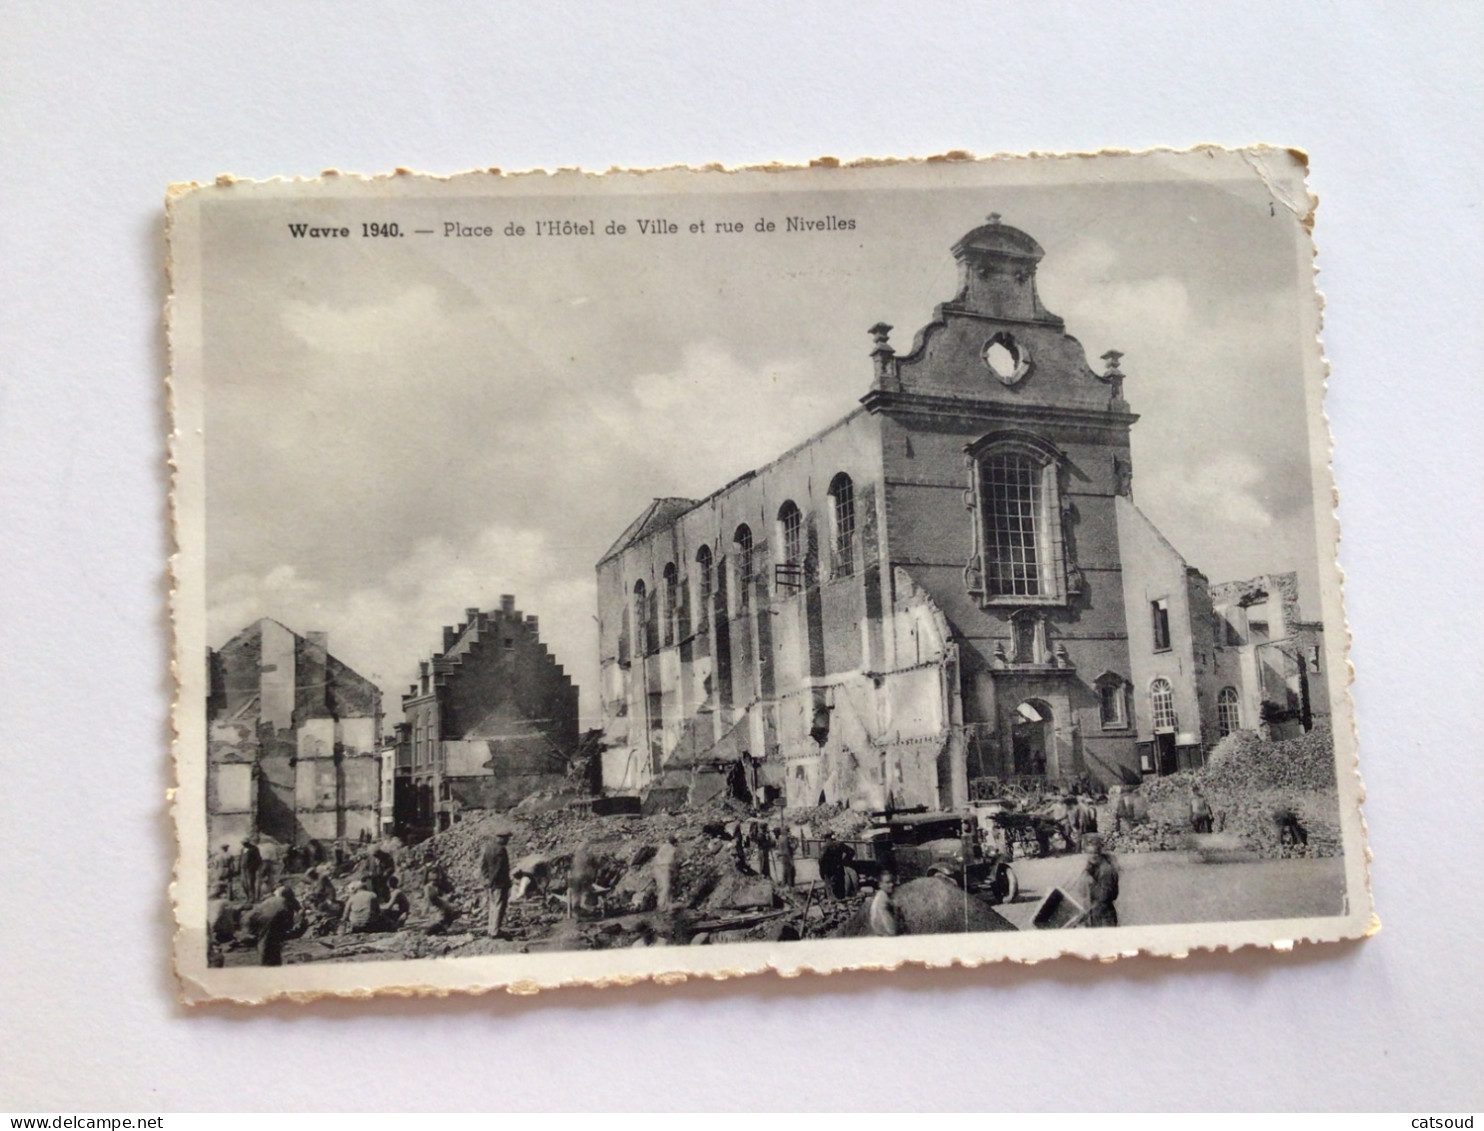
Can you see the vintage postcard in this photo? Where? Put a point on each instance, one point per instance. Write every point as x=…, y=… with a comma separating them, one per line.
x=585, y=579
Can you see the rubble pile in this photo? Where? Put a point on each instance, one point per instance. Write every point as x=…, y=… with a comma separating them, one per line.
x=1251, y=784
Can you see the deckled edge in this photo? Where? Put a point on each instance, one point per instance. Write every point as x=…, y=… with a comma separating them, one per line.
x=1256, y=155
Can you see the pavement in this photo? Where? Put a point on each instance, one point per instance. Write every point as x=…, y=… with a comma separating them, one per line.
x=1181, y=887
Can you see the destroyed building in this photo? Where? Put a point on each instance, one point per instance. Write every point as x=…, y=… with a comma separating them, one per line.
x=492, y=719
x=1274, y=657
x=292, y=736
x=926, y=600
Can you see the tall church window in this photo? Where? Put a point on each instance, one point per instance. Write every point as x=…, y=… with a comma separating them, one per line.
x=672, y=602
x=742, y=545
x=791, y=526
x=1016, y=501
x=1013, y=517
x=842, y=525
x=704, y=588
x=1228, y=711
x=788, y=574
x=641, y=620
x=1162, y=705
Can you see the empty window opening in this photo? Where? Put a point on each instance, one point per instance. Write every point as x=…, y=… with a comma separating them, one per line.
x=842, y=521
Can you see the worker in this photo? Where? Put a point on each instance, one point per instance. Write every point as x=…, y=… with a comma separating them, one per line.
x=783, y=857
x=764, y=842
x=221, y=869
x=434, y=891
x=738, y=833
x=396, y=909
x=494, y=866
x=580, y=879
x=1200, y=810
x=362, y=910
x=666, y=864
x=250, y=866
x=1102, y=886
x=532, y=874
x=835, y=859
x=271, y=923
x=882, y=915
x=221, y=916
x=379, y=865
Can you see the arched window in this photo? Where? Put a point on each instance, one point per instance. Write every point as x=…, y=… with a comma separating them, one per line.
x=641, y=620
x=1018, y=520
x=842, y=526
x=791, y=531
x=742, y=545
x=672, y=602
x=704, y=589
x=1228, y=711
x=1162, y=704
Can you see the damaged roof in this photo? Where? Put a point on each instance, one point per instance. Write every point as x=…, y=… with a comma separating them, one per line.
x=658, y=515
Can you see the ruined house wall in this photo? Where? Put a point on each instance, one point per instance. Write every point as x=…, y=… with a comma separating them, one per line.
x=273, y=707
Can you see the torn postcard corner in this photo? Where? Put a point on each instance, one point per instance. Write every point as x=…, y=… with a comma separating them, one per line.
x=582, y=581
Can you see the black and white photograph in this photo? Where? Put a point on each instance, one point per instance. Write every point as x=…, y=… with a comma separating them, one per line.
x=597, y=578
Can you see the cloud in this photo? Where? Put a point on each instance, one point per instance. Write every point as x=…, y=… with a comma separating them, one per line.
x=399, y=323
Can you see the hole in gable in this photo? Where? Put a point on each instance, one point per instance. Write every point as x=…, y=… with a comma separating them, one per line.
x=1002, y=357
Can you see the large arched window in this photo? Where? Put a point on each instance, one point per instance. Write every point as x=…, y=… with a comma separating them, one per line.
x=1228, y=711
x=1162, y=705
x=1018, y=556
x=704, y=589
x=788, y=573
x=641, y=620
x=672, y=603
x=742, y=548
x=842, y=526
x=791, y=533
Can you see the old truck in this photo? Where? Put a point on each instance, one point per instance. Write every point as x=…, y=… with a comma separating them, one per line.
x=950, y=846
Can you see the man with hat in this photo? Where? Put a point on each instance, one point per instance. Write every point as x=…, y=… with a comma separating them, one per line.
x=1102, y=885
x=494, y=866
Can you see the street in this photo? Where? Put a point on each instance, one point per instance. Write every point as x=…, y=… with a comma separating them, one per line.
x=1177, y=887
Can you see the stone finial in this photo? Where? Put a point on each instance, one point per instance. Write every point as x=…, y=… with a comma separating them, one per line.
x=993, y=217
x=881, y=337
x=1114, y=375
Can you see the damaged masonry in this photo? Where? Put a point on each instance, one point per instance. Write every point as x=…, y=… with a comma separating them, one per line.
x=897, y=680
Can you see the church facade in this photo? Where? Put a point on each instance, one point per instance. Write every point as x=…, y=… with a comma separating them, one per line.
x=919, y=604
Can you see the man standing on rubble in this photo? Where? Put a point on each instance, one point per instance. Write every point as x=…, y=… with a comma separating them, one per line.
x=666, y=872
x=783, y=857
x=494, y=866
x=581, y=876
x=250, y=866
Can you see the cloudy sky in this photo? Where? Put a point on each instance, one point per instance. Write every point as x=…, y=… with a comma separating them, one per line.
x=400, y=429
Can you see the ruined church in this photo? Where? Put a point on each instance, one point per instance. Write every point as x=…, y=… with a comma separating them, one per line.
x=925, y=601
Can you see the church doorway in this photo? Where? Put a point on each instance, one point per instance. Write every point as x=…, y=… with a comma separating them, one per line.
x=1030, y=738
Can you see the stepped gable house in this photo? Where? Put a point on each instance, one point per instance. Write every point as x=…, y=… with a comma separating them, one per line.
x=292, y=735
x=492, y=718
x=926, y=599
